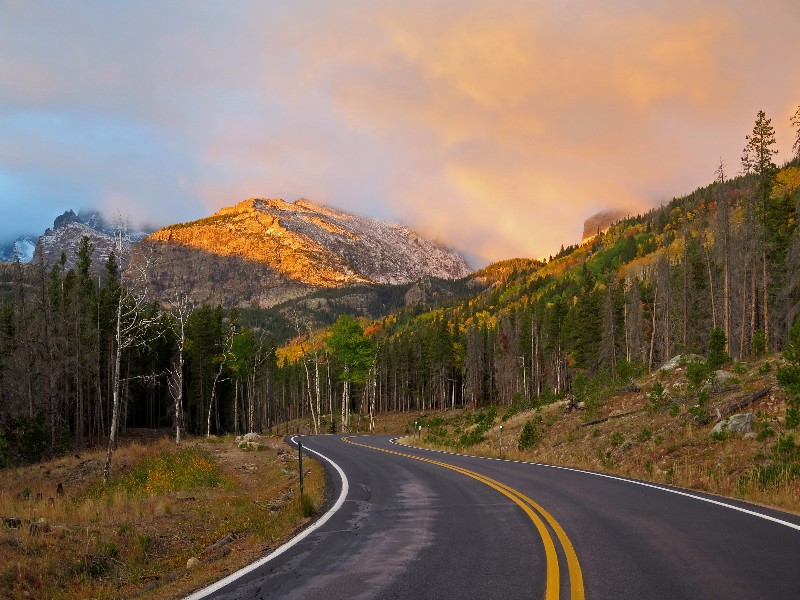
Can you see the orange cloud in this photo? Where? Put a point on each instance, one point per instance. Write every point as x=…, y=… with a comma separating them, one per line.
x=495, y=127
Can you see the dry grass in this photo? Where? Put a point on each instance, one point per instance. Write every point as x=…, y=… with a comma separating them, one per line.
x=651, y=445
x=121, y=541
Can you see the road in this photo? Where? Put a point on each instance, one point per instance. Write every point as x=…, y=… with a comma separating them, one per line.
x=411, y=523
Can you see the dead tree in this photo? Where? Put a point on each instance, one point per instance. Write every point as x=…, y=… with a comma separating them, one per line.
x=134, y=327
x=181, y=311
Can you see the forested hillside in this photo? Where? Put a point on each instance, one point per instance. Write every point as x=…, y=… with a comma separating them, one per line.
x=724, y=258
x=82, y=357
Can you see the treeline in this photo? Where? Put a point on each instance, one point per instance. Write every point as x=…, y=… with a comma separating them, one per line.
x=84, y=357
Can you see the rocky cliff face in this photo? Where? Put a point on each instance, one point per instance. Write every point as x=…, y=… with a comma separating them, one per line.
x=68, y=230
x=21, y=248
x=262, y=252
x=600, y=222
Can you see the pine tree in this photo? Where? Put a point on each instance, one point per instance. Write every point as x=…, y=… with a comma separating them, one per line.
x=717, y=356
x=757, y=159
x=789, y=376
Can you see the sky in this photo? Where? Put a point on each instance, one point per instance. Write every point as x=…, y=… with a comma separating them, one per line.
x=496, y=127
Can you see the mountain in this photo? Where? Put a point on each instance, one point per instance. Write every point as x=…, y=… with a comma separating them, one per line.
x=600, y=222
x=21, y=247
x=262, y=252
x=68, y=230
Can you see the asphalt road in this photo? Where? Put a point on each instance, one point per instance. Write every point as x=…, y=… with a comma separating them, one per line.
x=445, y=526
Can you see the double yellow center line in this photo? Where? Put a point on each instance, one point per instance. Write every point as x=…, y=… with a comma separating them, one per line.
x=533, y=510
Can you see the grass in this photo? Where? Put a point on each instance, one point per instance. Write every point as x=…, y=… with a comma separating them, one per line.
x=162, y=506
x=662, y=441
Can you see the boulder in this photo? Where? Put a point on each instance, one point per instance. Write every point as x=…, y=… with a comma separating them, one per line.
x=251, y=437
x=245, y=445
x=740, y=424
x=192, y=562
x=679, y=360
x=722, y=377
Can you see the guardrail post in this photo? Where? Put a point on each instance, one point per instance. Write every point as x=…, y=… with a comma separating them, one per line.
x=501, y=441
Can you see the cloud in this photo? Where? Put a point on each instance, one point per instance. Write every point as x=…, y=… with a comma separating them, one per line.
x=495, y=128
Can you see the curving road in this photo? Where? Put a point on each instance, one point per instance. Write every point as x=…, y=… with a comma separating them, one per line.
x=411, y=523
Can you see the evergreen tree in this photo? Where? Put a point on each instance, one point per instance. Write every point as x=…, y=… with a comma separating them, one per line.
x=789, y=376
x=758, y=153
x=757, y=159
x=717, y=356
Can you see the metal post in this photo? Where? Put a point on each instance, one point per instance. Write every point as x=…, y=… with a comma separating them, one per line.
x=300, y=459
x=501, y=441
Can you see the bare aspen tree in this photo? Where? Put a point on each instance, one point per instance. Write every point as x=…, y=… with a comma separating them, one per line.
x=134, y=326
x=181, y=311
x=224, y=358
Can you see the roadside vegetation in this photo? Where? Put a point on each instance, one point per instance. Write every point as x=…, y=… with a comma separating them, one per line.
x=660, y=428
x=168, y=521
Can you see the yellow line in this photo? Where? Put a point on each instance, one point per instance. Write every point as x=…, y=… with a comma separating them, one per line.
x=552, y=581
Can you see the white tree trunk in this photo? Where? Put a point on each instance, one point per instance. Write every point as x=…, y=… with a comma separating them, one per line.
x=112, y=437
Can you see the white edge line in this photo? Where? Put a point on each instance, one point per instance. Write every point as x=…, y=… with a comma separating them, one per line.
x=616, y=478
x=214, y=587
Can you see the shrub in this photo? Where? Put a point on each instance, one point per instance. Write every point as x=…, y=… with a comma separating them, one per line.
x=699, y=411
x=529, y=437
x=789, y=376
x=593, y=391
x=765, y=433
x=656, y=395
x=785, y=448
x=645, y=434
x=627, y=371
x=758, y=345
x=716, y=349
x=696, y=373
x=616, y=438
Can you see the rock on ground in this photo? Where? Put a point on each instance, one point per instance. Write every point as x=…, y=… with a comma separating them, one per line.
x=676, y=361
x=740, y=424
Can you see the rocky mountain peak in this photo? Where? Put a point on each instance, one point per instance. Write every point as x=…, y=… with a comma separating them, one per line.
x=104, y=236
x=263, y=251
x=601, y=222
